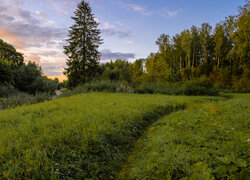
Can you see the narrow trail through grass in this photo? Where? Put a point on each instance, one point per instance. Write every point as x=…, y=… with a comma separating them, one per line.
x=206, y=140
x=83, y=136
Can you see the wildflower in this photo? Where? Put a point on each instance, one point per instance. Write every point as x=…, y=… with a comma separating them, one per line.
x=41, y=144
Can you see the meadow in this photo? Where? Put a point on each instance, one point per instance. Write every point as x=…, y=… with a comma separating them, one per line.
x=116, y=135
x=205, y=141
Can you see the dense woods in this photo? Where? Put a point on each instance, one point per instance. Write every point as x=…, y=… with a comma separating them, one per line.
x=220, y=54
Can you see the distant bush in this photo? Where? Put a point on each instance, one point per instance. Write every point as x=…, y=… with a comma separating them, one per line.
x=7, y=90
x=199, y=87
x=98, y=86
x=21, y=98
x=193, y=87
x=107, y=86
x=29, y=78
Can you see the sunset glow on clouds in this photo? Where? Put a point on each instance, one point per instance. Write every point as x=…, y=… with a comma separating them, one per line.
x=38, y=28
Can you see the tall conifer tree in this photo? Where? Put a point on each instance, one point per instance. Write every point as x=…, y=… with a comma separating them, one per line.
x=82, y=49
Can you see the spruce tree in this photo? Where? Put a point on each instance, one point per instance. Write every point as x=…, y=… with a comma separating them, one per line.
x=82, y=49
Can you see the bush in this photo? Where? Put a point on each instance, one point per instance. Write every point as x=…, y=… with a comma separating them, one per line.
x=98, y=86
x=200, y=87
x=145, y=89
x=7, y=90
x=194, y=87
x=21, y=98
x=28, y=78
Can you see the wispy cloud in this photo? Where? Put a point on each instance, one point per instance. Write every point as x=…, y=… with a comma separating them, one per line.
x=61, y=7
x=128, y=42
x=165, y=12
x=34, y=35
x=53, y=68
x=110, y=30
x=144, y=11
x=140, y=9
x=136, y=8
x=27, y=29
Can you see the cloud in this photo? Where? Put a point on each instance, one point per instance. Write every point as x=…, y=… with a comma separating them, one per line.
x=33, y=57
x=109, y=55
x=53, y=68
x=128, y=42
x=25, y=29
x=61, y=7
x=137, y=8
x=165, y=12
x=110, y=30
x=52, y=62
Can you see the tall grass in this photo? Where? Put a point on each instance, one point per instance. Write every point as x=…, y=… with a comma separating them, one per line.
x=11, y=97
x=82, y=136
x=195, y=87
x=20, y=98
x=98, y=86
x=206, y=141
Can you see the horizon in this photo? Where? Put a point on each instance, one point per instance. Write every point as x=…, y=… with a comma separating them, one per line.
x=38, y=29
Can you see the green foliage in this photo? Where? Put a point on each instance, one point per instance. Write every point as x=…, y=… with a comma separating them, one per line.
x=158, y=70
x=136, y=71
x=220, y=54
x=196, y=87
x=83, y=136
x=9, y=53
x=82, y=49
x=16, y=98
x=116, y=71
x=199, y=87
x=209, y=140
x=98, y=86
x=6, y=72
x=240, y=36
x=17, y=76
x=7, y=90
x=29, y=79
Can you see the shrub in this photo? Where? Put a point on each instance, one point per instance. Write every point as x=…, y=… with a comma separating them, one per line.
x=200, y=86
x=145, y=89
x=7, y=90
x=193, y=87
x=21, y=98
x=98, y=86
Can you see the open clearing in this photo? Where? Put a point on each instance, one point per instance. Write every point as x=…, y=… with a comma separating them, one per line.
x=127, y=136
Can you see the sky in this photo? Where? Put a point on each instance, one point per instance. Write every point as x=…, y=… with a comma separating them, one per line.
x=129, y=28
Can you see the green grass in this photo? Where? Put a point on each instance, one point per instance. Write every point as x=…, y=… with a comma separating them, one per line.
x=204, y=141
x=91, y=135
x=83, y=136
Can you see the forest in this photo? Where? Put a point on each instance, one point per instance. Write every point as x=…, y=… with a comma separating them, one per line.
x=220, y=54
x=216, y=57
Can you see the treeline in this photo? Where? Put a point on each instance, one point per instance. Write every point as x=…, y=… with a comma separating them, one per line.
x=22, y=83
x=17, y=75
x=220, y=55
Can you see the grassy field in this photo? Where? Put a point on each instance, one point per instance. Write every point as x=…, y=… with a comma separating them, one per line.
x=105, y=136
x=207, y=141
